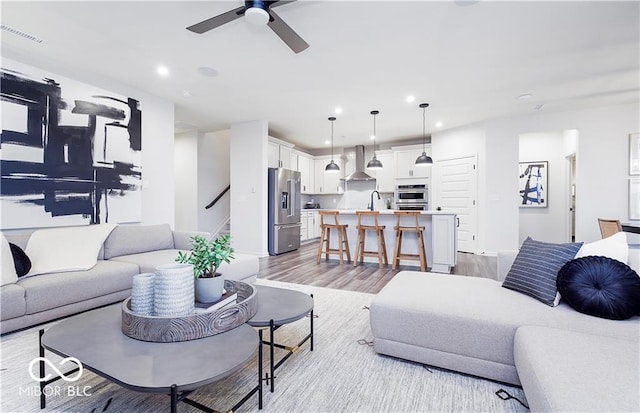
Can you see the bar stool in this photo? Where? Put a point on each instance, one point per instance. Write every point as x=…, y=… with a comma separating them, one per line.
x=381, y=253
x=325, y=236
x=400, y=230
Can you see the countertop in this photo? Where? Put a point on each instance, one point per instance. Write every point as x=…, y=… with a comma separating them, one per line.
x=382, y=211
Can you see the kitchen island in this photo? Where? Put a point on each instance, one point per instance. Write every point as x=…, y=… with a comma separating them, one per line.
x=440, y=237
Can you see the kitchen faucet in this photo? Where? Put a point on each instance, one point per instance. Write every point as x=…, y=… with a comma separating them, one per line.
x=371, y=205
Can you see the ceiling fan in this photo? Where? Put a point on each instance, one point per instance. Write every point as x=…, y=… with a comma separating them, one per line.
x=259, y=13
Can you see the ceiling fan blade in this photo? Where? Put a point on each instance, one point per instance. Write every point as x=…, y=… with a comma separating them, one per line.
x=281, y=3
x=212, y=23
x=286, y=33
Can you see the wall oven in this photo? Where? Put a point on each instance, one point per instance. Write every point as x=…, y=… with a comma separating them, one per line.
x=412, y=197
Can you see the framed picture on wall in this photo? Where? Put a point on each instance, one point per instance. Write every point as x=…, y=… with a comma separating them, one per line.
x=634, y=154
x=634, y=198
x=533, y=184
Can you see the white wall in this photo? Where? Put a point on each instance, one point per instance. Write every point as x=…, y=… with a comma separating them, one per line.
x=186, y=179
x=601, y=176
x=602, y=165
x=546, y=224
x=249, y=187
x=157, y=142
x=213, y=178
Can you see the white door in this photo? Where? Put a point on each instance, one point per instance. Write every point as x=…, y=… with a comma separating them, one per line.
x=456, y=191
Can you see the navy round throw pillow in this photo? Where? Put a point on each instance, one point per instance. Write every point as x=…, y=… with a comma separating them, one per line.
x=601, y=287
x=20, y=260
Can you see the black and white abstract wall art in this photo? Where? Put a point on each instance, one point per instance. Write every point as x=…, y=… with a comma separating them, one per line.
x=70, y=153
x=533, y=184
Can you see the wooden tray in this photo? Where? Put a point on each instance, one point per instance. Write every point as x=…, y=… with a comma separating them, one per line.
x=195, y=326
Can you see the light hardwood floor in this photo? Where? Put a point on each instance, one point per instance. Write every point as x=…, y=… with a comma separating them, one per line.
x=300, y=267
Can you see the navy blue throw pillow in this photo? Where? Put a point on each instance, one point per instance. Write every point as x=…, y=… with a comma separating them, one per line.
x=535, y=269
x=20, y=260
x=601, y=287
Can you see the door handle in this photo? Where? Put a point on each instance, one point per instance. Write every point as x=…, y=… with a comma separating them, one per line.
x=458, y=222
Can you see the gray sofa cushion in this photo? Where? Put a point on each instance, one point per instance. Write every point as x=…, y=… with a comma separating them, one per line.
x=48, y=291
x=134, y=239
x=12, y=301
x=148, y=261
x=564, y=371
x=242, y=268
x=472, y=317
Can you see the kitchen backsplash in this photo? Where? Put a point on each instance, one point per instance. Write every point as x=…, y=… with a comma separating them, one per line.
x=356, y=196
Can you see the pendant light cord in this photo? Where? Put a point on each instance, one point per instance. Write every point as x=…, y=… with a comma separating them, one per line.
x=332, y=141
x=374, y=135
x=424, y=135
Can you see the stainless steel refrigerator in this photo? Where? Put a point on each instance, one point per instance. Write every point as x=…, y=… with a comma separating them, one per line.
x=284, y=210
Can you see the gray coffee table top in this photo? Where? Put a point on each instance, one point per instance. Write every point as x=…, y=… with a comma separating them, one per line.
x=281, y=305
x=96, y=339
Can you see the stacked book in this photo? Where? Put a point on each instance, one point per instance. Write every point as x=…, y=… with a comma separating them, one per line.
x=228, y=298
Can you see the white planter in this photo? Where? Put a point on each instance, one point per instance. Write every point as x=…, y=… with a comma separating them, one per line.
x=173, y=290
x=209, y=290
x=142, y=291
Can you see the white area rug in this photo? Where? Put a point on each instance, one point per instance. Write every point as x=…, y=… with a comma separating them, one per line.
x=340, y=375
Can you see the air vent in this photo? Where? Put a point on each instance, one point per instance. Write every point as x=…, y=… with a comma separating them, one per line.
x=21, y=34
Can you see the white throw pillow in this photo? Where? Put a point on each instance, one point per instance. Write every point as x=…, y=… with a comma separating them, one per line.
x=66, y=249
x=9, y=275
x=614, y=247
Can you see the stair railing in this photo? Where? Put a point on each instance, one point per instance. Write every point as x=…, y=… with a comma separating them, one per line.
x=224, y=191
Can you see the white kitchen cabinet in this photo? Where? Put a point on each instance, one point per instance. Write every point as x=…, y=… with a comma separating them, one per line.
x=278, y=153
x=445, y=242
x=405, y=163
x=310, y=225
x=327, y=182
x=304, y=228
x=316, y=224
x=305, y=166
x=385, y=177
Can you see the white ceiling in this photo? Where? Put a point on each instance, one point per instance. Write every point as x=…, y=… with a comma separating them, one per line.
x=468, y=59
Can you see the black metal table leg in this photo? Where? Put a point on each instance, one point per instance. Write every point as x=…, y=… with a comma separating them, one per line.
x=311, y=317
x=174, y=399
x=260, y=372
x=271, y=345
x=43, y=400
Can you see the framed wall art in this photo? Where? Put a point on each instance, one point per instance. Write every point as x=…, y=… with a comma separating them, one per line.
x=634, y=154
x=533, y=184
x=634, y=198
x=71, y=152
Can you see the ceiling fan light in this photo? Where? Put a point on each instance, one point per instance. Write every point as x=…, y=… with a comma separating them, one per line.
x=424, y=160
x=332, y=167
x=374, y=164
x=257, y=16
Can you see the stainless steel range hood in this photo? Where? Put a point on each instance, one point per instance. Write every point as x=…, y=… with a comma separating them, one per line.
x=359, y=174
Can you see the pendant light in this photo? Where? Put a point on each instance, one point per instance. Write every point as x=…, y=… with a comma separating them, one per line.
x=424, y=160
x=374, y=164
x=332, y=167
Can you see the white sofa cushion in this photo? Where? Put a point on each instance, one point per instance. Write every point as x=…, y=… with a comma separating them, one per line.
x=66, y=249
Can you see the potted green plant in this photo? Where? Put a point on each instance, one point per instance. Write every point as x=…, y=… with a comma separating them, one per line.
x=206, y=255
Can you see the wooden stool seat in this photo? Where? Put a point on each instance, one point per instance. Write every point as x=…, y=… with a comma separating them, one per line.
x=325, y=237
x=381, y=252
x=400, y=230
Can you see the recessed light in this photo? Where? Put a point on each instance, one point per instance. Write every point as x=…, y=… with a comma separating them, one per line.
x=338, y=110
x=525, y=96
x=163, y=71
x=327, y=142
x=410, y=99
x=208, y=71
x=187, y=93
x=438, y=124
x=372, y=137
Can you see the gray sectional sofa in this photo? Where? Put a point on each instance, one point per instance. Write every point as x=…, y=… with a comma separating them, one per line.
x=563, y=359
x=128, y=250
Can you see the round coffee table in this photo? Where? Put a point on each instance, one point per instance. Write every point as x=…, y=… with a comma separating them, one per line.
x=95, y=338
x=276, y=307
